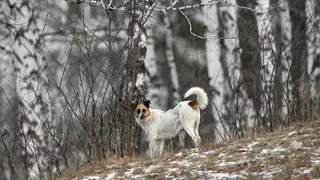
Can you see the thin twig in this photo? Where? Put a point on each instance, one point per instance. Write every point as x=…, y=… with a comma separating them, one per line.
x=174, y=3
x=190, y=26
x=110, y=3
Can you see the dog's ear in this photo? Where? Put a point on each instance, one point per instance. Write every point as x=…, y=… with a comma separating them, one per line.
x=147, y=103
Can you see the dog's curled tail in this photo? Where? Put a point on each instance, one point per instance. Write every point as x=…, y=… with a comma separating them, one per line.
x=202, y=98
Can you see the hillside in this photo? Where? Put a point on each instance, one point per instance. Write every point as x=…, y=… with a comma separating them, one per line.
x=291, y=153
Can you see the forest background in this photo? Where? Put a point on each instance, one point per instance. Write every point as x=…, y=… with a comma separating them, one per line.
x=72, y=71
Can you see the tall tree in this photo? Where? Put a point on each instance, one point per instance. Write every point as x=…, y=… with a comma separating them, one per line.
x=35, y=108
x=216, y=66
x=276, y=87
x=250, y=57
x=313, y=26
x=299, y=59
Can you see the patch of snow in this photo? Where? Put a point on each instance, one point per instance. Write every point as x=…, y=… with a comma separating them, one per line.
x=152, y=168
x=264, y=151
x=179, y=154
x=194, y=150
x=110, y=176
x=265, y=174
x=315, y=161
x=91, y=178
x=217, y=175
x=209, y=152
x=268, y=173
x=173, y=169
x=173, y=162
x=113, y=166
x=138, y=176
x=197, y=155
x=317, y=150
x=292, y=133
x=252, y=144
x=198, y=172
x=273, y=151
x=223, y=164
x=194, y=154
x=169, y=177
x=307, y=171
x=296, y=145
x=186, y=163
x=132, y=164
x=221, y=155
x=129, y=172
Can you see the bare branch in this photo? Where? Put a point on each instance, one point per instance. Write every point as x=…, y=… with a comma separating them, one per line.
x=190, y=26
x=169, y=8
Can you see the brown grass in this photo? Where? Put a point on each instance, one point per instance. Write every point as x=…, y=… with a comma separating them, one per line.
x=287, y=161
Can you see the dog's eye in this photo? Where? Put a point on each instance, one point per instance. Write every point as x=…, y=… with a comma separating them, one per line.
x=143, y=110
x=138, y=111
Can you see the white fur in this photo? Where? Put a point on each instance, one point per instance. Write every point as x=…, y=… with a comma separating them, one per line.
x=202, y=97
x=162, y=125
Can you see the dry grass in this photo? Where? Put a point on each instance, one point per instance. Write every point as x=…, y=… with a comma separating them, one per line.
x=290, y=153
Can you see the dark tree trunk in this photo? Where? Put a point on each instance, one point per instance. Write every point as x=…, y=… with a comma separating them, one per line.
x=299, y=52
x=250, y=56
x=277, y=91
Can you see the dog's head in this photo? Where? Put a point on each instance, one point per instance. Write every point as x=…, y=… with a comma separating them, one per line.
x=142, y=111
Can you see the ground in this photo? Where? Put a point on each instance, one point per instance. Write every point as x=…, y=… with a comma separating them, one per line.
x=289, y=153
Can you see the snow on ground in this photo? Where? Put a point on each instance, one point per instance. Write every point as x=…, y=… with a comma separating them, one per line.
x=293, y=153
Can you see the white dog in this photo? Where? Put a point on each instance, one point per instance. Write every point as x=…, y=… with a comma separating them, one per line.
x=160, y=125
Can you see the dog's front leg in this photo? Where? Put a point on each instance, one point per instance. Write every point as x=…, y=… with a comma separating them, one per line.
x=161, y=146
x=153, y=148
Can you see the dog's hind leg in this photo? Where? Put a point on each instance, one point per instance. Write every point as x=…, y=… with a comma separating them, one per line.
x=193, y=134
x=196, y=129
x=182, y=138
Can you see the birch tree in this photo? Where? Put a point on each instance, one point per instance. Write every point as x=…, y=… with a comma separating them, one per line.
x=250, y=60
x=313, y=26
x=171, y=63
x=277, y=51
x=268, y=63
x=299, y=52
x=32, y=88
x=214, y=53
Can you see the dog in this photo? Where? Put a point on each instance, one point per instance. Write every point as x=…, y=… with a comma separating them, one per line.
x=161, y=125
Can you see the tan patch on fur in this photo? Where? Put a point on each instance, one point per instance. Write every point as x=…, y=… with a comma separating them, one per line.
x=194, y=104
x=143, y=107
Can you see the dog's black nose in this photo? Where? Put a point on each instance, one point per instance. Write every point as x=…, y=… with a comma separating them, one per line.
x=141, y=117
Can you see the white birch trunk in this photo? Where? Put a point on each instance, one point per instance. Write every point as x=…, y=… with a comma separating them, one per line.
x=33, y=92
x=215, y=71
x=171, y=62
x=157, y=93
x=173, y=71
x=219, y=66
x=313, y=66
x=268, y=60
x=286, y=58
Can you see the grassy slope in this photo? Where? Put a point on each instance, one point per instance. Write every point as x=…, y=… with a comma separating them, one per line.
x=291, y=153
